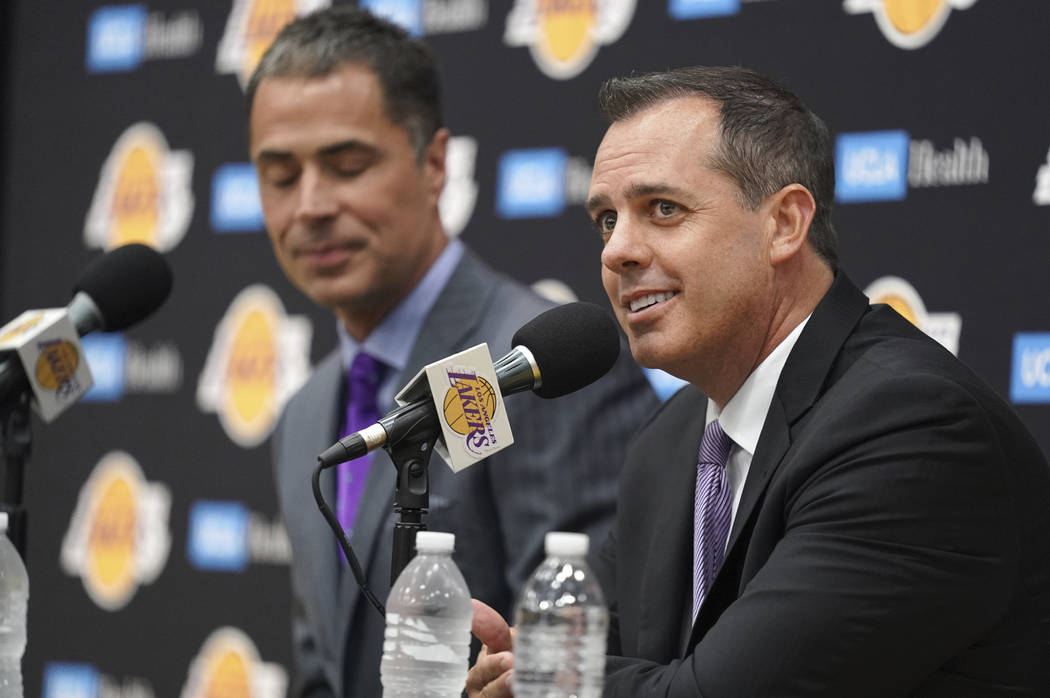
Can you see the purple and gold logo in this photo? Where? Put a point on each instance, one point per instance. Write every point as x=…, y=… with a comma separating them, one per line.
x=118, y=537
x=229, y=666
x=469, y=408
x=143, y=193
x=251, y=28
x=56, y=367
x=908, y=24
x=564, y=35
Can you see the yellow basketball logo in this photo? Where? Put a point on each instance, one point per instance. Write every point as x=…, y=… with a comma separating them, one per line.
x=251, y=27
x=470, y=404
x=228, y=666
x=259, y=358
x=136, y=198
x=111, y=541
x=250, y=371
x=57, y=364
x=265, y=20
x=564, y=35
x=118, y=537
x=908, y=24
x=22, y=327
x=143, y=193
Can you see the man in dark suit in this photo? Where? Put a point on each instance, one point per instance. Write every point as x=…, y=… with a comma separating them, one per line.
x=849, y=511
x=347, y=140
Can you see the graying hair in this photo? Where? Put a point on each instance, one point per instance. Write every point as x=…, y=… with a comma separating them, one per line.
x=769, y=137
x=320, y=43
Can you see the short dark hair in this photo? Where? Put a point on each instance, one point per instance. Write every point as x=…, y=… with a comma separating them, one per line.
x=769, y=137
x=320, y=43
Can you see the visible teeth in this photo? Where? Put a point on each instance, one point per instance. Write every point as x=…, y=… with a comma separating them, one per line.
x=652, y=299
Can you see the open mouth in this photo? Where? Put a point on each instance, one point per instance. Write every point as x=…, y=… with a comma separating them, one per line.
x=643, y=302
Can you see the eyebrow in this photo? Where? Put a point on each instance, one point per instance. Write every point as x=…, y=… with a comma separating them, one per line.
x=352, y=145
x=637, y=191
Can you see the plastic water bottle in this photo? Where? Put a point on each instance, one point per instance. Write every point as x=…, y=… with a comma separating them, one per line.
x=426, y=648
x=14, y=599
x=562, y=622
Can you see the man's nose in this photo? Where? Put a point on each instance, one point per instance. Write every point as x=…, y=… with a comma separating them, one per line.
x=316, y=196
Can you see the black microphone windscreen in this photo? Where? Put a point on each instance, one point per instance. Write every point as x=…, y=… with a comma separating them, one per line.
x=127, y=284
x=574, y=345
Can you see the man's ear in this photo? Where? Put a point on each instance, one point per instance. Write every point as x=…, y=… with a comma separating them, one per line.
x=791, y=212
x=434, y=163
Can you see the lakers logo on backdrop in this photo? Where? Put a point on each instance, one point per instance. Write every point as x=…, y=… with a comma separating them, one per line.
x=118, y=537
x=251, y=28
x=902, y=297
x=228, y=666
x=564, y=35
x=908, y=23
x=258, y=359
x=143, y=193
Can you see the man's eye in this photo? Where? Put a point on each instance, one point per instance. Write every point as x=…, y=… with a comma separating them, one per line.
x=666, y=208
x=606, y=222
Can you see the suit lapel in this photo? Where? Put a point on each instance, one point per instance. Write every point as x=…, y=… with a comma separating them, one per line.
x=666, y=595
x=801, y=383
x=316, y=423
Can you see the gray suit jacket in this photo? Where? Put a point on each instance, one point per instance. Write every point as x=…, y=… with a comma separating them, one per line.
x=560, y=474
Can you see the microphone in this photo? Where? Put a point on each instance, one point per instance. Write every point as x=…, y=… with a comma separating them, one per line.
x=557, y=352
x=114, y=291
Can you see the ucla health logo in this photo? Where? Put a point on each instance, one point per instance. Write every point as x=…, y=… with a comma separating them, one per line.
x=143, y=193
x=1030, y=374
x=883, y=165
x=539, y=182
x=120, y=367
x=118, y=537
x=225, y=537
x=121, y=37
x=250, y=29
x=78, y=680
x=902, y=297
x=259, y=357
x=908, y=23
x=235, y=204
x=419, y=17
x=406, y=13
x=695, y=9
x=564, y=35
x=228, y=666
x=871, y=166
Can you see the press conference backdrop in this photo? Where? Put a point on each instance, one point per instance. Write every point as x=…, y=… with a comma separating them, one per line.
x=157, y=559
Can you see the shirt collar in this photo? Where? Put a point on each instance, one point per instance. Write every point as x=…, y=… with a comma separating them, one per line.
x=393, y=338
x=745, y=413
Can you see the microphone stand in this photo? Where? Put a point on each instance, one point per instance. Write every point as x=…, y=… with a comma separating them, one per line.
x=16, y=440
x=411, y=455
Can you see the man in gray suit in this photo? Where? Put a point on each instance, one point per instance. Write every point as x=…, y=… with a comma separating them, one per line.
x=347, y=139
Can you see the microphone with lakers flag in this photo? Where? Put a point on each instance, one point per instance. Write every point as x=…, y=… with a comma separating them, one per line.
x=115, y=291
x=556, y=353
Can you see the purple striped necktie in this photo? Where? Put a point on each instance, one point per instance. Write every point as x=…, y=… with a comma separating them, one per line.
x=361, y=411
x=712, y=511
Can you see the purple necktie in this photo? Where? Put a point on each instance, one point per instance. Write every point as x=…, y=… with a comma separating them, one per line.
x=712, y=511
x=361, y=411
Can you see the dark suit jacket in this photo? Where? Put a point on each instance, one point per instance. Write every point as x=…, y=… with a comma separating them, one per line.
x=893, y=536
x=560, y=474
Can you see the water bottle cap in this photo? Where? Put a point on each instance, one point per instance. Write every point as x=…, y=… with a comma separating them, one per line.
x=566, y=544
x=435, y=542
